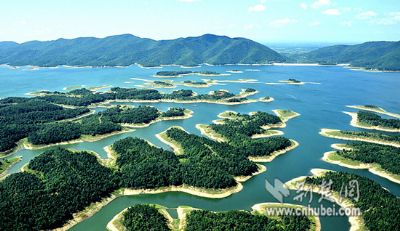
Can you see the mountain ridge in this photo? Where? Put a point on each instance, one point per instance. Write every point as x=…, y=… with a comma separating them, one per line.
x=378, y=55
x=127, y=49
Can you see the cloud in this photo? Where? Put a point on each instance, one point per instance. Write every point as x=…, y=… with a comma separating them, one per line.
x=391, y=18
x=366, y=15
x=282, y=22
x=303, y=6
x=320, y=3
x=257, y=8
x=332, y=12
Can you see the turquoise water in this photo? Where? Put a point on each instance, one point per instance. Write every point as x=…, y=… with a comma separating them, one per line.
x=320, y=106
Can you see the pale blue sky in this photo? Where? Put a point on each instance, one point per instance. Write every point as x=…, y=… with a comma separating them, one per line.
x=261, y=20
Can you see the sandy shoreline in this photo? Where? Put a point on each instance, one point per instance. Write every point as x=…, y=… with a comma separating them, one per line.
x=241, y=179
x=280, y=114
x=356, y=222
x=272, y=156
x=267, y=133
x=355, y=164
x=356, y=123
x=207, y=131
x=262, y=208
x=377, y=110
x=325, y=132
x=176, y=147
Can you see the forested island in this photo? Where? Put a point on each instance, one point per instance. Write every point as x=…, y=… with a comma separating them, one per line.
x=60, y=182
x=194, y=219
x=376, y=109
x=84, y=98
x=292, y=81
x=43, y=123
x=371, y=120
x=167, y=74
x=376, y=203
x=371, y=137
x=55, y=185
x=382, y=160
x=238, y=130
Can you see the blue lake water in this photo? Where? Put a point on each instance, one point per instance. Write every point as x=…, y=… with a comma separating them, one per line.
x=320, y=106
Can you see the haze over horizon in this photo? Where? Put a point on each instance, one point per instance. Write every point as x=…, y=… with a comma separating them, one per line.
x=265, y=21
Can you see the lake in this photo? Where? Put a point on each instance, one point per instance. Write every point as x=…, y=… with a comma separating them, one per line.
x=320, y=106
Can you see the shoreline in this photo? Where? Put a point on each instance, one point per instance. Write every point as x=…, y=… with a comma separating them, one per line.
x=210, y=133
x=30, y=146
x=356, y=123
x=268, y=133
x=356, y=222
x=377, y=110
x=10, y=164
x=241, y=179
x=223, y=102
x=262, y=208
x=272, y=156
x=325, y=132
x=280, y=114
x=374, y=168
x=176, y=147
x=196, y=191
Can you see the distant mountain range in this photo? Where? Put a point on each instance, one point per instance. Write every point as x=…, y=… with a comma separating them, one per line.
x=124, y=50
x=370, y=55
x=127, y=49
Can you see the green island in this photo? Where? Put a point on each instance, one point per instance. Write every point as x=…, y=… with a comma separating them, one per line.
x=37, y=124
x=160, y=84
x=292, y=81
x=376, y=206
x=371, y=137
x=381, y=160
x=156, y=217
x=376, y=109
x=285, y=115
x=370, y=120
x=53, y=181
x=168, y=74
x=87, y=98
x=203, y=83
x=240, y=131
x=266, y=99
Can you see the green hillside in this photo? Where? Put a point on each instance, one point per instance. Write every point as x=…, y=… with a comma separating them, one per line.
x=370, y=55
x=128, y=49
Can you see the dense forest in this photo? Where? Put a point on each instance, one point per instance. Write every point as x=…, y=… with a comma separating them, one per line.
x=21, y=116
x=199, y=220
x=44, y=123
x=373, y=135
x=205, y=163
x=387, y=157
x=84, y=97
x=144, y=218
x=374, y=119
x=378, y=206
x=239, y=129
x=172, y=112
x=57, y=184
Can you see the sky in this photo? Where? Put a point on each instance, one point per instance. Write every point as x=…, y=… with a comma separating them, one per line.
x=267, y=21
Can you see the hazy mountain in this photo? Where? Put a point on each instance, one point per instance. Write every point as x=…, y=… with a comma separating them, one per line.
x=128, y=49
